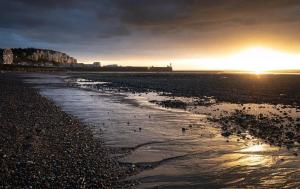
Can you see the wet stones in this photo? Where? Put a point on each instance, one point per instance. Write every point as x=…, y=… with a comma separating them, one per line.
x=171, y=104
x=43, y=147
x=290, y=135
x=295, y=154
x=275, y=130
x=226, y=133
x=239, y=88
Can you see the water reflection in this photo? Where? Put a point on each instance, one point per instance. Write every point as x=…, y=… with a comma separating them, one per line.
x=256, y=148
x=198, y=158
x=237, y=159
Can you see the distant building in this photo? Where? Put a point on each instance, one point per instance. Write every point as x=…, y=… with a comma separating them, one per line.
x=78, y=65
x=97, y=64
x=7, y=56
x=23, y=63
x=112, y=65
x=48, y=64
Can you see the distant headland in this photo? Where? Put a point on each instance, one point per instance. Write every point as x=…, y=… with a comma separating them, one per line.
x=34, y=59
x=33, y=56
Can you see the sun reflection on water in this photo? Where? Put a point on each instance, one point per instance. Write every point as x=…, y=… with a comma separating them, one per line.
x=255, y=148
x=255, y=155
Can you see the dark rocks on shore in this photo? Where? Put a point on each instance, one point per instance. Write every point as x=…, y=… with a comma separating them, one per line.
x=237, y=88
x=171, y=104
x=226, y=133
x=273, y=130
x=43, y=147
x=208, y=89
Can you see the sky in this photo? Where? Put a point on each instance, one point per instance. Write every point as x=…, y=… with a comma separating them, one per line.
x=192, y=34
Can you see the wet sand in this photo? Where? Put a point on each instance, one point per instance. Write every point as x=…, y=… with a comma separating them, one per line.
x=173, y=147
x=44, y=147
x=233, y=88
x=267, y=106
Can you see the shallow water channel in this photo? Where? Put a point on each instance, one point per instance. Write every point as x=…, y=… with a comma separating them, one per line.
x=198, y=157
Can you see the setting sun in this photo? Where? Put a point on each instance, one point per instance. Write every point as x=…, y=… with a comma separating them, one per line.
x=253, y=59
x=259, y=59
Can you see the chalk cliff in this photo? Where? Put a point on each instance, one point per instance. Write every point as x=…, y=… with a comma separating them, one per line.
x=36, y=56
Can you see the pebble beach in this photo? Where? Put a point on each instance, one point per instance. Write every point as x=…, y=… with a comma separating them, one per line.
x=43, y=147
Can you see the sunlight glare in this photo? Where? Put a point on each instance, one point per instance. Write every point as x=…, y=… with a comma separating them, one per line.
x=255, y=59
x=260, y=59
x=254, y=148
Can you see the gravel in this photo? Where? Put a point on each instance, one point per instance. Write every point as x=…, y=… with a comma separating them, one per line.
x=43, y=147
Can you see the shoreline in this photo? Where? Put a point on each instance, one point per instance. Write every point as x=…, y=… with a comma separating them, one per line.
x=267, y=109
x=232, y=88
x=46, y=147
x=42, y=146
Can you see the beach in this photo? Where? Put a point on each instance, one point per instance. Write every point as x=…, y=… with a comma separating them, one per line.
x=265, y=105
x=43, y=147
x=149, y=130
x=150, y=94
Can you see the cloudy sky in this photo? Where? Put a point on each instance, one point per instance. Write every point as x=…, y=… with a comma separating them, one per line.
x=150, y=32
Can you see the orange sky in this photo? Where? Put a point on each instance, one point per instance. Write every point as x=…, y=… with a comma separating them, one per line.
x=192, y=34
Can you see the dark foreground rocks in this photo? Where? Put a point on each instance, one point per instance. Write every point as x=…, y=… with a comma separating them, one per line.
x=171, y=103
x=275, y=130
x=43, y=147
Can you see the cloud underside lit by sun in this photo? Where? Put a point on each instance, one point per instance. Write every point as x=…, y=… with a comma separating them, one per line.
x=156, y=32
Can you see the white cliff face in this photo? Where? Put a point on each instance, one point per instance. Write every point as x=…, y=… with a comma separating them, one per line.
x=51, y=56
x=7, y=56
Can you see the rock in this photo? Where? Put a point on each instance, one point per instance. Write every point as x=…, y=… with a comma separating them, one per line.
x=290, y=135
x=295, y=154
x=226, y=134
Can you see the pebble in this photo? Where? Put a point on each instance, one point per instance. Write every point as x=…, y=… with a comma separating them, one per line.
x=66, y=156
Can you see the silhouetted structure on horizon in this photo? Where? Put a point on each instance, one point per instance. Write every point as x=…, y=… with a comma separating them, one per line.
x=31, y=59
x=6, y=56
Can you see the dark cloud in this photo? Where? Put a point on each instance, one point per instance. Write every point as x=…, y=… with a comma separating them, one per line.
x=127, y=26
